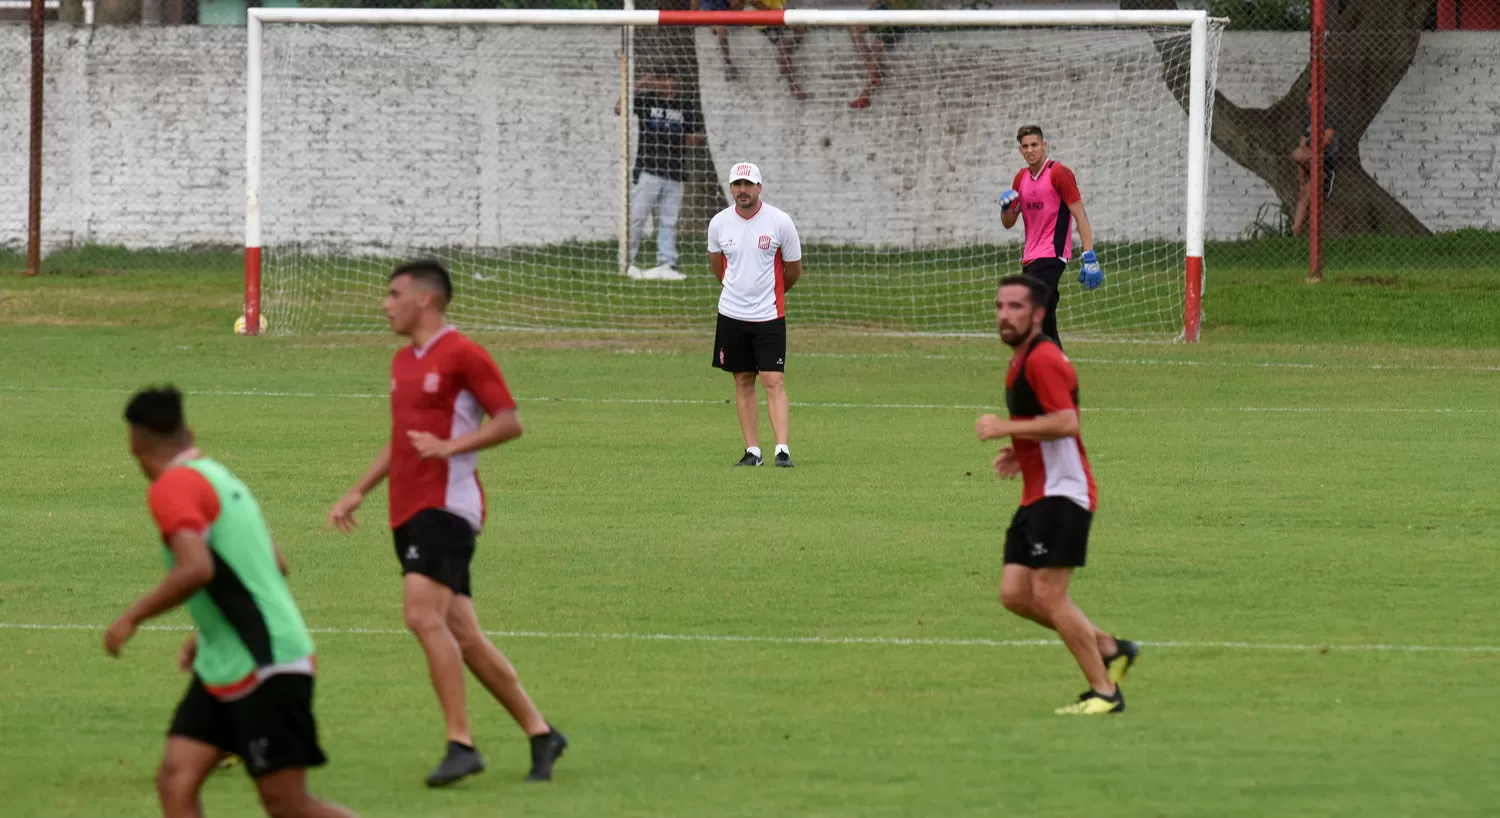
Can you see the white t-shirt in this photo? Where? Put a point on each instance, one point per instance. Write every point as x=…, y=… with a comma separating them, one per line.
x=756, y=251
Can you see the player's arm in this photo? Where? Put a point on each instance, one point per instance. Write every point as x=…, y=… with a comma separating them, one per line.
x=1092, y=275
x=1085, y=230
x=482, y=378
x=496, y=429
x=791, y=255
x=1051, y=426
x=193, y=568
x=790, y=273
x=718, y=264
x=341, y=516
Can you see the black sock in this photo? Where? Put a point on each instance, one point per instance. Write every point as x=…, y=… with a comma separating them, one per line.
x=459, y=745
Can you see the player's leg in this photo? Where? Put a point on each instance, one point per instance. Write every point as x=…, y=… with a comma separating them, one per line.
x=642, y=199
x=786, y=43
x=425, y=604
x=1049, y=271
x=491, y=667
x=284, y=795
x=278, y=735
x=735, y=354
x=1016, y=596
x=668, y=207
x=185, y=764
x=745, y=406
x=202, y=733
x=768, y=341
x=1304, y=202
x=499, y=677
x=1049, y=591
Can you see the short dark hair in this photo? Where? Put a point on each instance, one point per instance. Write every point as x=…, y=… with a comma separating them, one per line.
x=430, y=273
x=157, y=410
x=1028, y=130
x=1036, y=289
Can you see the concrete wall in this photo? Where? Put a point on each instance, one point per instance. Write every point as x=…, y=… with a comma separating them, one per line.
x=500, y=137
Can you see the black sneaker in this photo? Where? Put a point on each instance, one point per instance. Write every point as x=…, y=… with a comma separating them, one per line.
x=784, y=460
x=749, y=459
x=460, y=762
x=546, y=749
x=1120, y=664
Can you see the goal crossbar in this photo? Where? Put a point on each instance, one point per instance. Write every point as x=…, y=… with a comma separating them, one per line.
x=1195, y=21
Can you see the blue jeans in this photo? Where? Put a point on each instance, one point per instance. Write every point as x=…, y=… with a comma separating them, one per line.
x=652, y=192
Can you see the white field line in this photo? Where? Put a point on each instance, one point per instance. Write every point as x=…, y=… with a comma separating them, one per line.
x=880, y=641
x=256, y=393
x=1377, y=367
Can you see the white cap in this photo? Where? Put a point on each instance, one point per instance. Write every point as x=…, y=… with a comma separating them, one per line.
x=745, y=170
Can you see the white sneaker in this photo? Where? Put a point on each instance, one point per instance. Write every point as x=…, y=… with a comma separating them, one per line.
x=664, y=272
x=635, y=272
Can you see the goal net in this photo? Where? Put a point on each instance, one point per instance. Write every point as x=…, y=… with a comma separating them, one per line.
x=497, y=143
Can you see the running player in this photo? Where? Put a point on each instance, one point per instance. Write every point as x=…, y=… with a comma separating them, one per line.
x=251, y=656
x=442, y=385
x=754, y=250
x=1048, y=538
x=1045, y=195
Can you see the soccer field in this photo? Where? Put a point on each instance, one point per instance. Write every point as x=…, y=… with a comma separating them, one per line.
x=1298, y=518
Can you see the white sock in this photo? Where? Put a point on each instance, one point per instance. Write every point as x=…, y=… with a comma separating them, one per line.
x=781, y=448
x=755, y=450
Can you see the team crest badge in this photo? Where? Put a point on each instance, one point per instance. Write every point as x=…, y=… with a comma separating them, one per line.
x=430, y=383
x=721, y=357
x=765, y=242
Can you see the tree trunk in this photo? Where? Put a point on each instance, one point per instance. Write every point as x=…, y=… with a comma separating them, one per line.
x=672, y=50
x=71, y=11
x=1371, y=44
x=117, y=11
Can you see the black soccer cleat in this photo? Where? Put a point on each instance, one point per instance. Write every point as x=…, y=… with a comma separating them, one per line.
x=1120, y=664
x=460, y=762
x=784, y=460
x=749, y=459
x=546, y=749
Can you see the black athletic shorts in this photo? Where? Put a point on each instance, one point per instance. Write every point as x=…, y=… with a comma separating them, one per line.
x=1053, y=532
x=1049, y=270
x=750, y=346
x=438, y=545
x=270, y=729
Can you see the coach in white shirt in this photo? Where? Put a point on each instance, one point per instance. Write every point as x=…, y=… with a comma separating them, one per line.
x=754, y=250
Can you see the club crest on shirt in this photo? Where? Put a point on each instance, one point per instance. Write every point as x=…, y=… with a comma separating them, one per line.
x=430, y=383
x=765, y=242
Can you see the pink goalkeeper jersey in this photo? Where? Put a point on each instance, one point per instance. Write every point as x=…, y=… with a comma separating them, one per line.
x=1044, y=201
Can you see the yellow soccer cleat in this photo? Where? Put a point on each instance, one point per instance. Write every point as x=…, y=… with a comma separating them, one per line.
x=1120, y=664
x=1093, y=704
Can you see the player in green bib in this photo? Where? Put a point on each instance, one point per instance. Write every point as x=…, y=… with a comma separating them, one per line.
x=251, y=655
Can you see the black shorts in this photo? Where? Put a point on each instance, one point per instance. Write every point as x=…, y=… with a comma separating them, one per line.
x=270, y=729
x=750, y=346
x=1053, y=532
x=438, y=545
x=1049, y=270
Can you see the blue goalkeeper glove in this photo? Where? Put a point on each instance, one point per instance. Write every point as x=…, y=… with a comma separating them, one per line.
x=1007, y=199
x=1091, y=276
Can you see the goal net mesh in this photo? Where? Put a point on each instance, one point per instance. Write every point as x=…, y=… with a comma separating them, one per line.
x=498, y=150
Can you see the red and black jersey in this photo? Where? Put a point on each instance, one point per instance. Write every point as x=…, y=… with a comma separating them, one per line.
x=444, y=388
x=1042, y=381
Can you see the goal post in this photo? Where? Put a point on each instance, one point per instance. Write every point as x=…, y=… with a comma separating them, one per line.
x=541, y=248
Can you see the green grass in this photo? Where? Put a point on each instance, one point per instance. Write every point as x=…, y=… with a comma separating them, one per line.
x=1287, y=482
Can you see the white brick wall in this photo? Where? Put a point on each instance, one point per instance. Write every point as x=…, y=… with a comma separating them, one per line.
x=502, y=137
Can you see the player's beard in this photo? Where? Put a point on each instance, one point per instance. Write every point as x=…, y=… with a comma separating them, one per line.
x=1019, y=334
x=746, y=205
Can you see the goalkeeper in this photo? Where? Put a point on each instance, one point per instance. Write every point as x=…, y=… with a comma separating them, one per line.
x=1045, y=195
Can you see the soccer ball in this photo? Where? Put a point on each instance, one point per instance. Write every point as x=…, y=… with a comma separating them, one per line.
x=240, y=326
